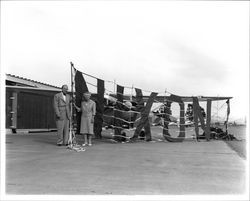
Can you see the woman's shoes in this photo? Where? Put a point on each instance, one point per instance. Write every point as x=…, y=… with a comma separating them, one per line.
x=90, y=145
x=83, y=145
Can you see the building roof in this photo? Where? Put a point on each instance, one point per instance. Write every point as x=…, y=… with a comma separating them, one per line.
x=24, y=82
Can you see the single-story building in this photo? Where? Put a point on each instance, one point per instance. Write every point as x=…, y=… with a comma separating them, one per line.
x=29, y=105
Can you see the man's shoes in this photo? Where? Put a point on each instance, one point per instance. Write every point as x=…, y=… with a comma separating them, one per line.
x=66, y=144
x=59, y=145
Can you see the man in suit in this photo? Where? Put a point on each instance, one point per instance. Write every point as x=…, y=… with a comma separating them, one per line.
x=62, y=110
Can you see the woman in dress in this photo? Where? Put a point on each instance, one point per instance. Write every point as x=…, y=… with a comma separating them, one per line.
x=88, y=109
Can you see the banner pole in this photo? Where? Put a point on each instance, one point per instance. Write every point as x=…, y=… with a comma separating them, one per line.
x=72, y=108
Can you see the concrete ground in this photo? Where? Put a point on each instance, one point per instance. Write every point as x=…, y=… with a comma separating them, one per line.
x=35, y=165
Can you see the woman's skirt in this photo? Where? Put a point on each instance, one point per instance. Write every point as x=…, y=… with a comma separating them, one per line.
x=86, y=126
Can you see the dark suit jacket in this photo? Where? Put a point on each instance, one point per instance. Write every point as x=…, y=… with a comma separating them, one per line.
x=62, y=107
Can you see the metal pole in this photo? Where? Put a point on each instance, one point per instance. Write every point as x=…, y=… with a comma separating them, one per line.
x=72, y=113
x=114, y=112
x=130, y=109
x=165, y=95
x=71, y=106
x=114, y=86
x=131, y=98
x=217, y=110
x=228, y=112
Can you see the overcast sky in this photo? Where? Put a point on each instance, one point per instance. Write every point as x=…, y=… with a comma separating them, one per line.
x=189, y=48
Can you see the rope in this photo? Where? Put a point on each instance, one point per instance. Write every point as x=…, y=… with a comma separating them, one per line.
x=130, y=122
x=105, y=89
x=114, y=82
x=110, y=81
x=130, y=111
x=168, y=101
x=128, y=87
x=169, y=113
x=121, y=103
x=92, y=84
x=77, y=148
x=90, y=75
x=128, y=129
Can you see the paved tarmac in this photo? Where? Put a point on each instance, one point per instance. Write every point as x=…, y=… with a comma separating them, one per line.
x=35, y=165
